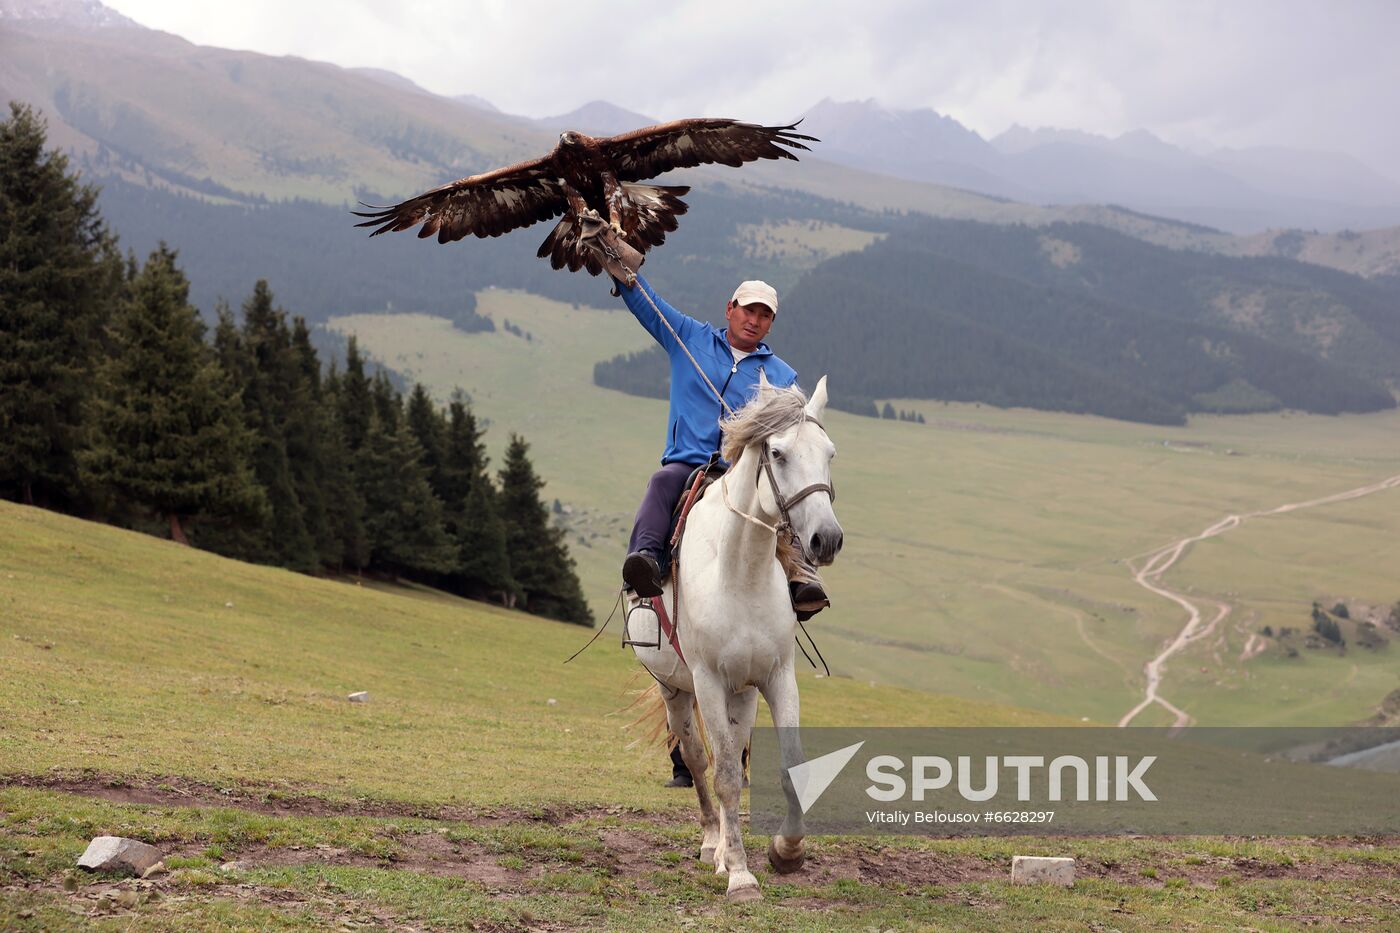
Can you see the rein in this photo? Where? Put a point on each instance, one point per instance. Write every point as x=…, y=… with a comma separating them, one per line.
x=784, y=504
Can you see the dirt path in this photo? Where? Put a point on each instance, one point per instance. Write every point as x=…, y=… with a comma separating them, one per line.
x=636, y=850
x=1148, y=575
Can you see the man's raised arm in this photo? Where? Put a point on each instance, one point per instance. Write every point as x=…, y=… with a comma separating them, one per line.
x=642, y=310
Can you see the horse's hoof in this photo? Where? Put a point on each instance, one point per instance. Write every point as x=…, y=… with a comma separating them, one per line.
x=745, y=895
x=707, y=855
x=781, y=865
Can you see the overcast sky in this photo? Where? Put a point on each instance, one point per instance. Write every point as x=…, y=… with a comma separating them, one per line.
x=1320, y=75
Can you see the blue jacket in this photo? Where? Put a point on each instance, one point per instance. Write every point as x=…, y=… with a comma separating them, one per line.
x=692, y=430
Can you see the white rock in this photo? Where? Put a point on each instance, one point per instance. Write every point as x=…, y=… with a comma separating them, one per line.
x=1036, y=869
x=551, y=702
x=228, y=605
x=115, y=853
x=360, y=697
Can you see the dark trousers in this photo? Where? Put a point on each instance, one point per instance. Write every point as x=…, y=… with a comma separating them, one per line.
x=678, y=768
x=649, y=531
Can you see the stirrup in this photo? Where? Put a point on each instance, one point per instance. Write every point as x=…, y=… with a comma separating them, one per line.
x=638, y=602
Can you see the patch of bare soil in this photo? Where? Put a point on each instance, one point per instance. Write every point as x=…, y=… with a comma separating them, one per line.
x=427, y=853
x=182, y=792
x=133, y=897
x=888, y=867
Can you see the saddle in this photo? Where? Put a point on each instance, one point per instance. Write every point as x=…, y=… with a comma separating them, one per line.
x=699, y=480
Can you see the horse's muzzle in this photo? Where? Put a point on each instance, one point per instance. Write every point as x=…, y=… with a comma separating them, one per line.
x=824, y=545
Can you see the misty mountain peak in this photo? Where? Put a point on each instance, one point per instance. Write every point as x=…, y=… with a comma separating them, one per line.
x=477, y=101
x=598, y=117
x=86, y=14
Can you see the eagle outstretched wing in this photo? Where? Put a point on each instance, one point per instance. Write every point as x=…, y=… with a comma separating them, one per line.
x=650, y=151
x=489, y=204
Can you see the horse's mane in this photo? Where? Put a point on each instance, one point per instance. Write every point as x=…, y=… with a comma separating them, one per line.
x=771, y=412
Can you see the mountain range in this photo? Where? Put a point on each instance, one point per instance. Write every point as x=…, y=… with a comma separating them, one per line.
x=1242, y=190
x=248, y=163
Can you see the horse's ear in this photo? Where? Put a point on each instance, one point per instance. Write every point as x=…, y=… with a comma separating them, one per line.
x=817, y=403
x=764, y=386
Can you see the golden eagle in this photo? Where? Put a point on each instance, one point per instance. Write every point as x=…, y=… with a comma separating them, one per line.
x=583, y=174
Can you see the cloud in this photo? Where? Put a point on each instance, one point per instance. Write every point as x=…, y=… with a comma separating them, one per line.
x=1236, y=72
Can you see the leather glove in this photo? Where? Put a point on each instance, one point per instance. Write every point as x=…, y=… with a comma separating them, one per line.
x=619, y=258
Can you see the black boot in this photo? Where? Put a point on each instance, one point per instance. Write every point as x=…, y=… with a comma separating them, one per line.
x=642, y=573
x=808, y=599
x=680, y=774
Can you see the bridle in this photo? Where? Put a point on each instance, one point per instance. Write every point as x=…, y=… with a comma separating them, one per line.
x=785, y=503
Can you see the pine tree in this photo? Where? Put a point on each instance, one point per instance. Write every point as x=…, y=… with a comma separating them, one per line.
x=473, y=512
x=483, y=561
x=427, y=427
x=403, y=519
x=353, y=401
x=386, y=404
x=539, y=559
x=169, y=432
x=347, y=513
x=60, y=274
x=347, y=509
x=306, y=425
x=272, y=392
x=464, y=454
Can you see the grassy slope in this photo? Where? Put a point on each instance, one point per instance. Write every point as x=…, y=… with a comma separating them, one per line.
x=278, y=126
x=1369, y=252
x=985, y=549
x=123, y=656
x=119, y=649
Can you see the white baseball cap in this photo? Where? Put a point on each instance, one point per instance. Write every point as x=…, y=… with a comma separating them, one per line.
x=756, y=292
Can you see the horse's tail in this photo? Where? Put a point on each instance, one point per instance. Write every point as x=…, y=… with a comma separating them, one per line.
x=652, y=718
x=651, y=714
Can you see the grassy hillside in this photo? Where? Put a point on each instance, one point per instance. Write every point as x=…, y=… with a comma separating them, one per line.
x=119, y=648
x=152, y=107
x=1367, y=252
x=986, y=550
x=199, y=704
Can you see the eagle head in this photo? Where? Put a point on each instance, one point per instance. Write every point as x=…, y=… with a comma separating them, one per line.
x=568, y=138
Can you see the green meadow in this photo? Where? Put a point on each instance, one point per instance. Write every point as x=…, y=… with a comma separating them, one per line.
x=987, y=550
x=200, y=704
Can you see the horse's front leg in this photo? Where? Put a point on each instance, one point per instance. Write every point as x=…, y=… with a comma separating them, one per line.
x=728, y=720
x=680, y=718
x=785, y=851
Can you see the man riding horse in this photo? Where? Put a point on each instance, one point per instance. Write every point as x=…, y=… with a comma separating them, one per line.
x=732, y=357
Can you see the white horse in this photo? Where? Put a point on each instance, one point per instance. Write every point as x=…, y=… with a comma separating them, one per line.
x=736, y=623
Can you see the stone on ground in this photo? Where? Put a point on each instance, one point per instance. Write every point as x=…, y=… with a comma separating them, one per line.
x=1036, y=869
x=360, y=697
x=115, y=853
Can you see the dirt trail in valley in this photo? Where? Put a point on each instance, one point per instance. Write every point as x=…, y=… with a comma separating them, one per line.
x=1148, y=575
